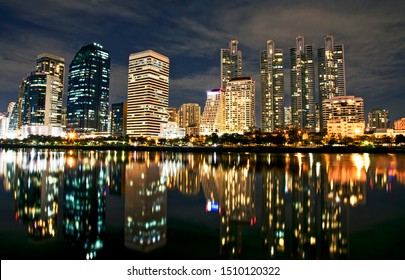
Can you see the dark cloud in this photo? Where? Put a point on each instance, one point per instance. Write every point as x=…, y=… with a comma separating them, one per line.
x=192, y=32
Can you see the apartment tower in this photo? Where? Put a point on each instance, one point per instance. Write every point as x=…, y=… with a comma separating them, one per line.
x=303, y=85
x=272, y=87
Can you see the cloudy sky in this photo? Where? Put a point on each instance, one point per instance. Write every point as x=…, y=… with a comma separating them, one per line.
x=191, y=34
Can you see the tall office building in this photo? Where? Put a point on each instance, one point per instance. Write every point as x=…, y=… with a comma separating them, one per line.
x=272, y=87
x=213, y=117
x=89, y=90
x=189, y=118
x=331, y=73
x=240, y=105
x=55, y=66
x=52, y=65
x=41, y=105
x=118, y=119
x=378, y=119
x=231, y=63
x=303, y=85
x=148, y=93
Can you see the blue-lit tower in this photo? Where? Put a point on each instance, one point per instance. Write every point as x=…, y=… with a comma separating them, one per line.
x=88, y=90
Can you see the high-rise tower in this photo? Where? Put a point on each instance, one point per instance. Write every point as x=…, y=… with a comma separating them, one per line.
x=240, y=105
x=55, y=66
x=41, y=105
x=303, y=85
x=88, y=90
x=213, y=118
x=272, y=87
x=231, y=63
x=148, y=93
x=331, y=73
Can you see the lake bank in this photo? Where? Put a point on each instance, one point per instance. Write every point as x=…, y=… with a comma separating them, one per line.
x=218, y=149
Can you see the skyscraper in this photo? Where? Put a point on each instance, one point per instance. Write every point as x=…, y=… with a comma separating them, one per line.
x=331, y=73
x=148, y=93
x=303, y=85
x=240, y=105
x=213, y=118
x=41, y=105
x=53, y=65
x=272, y=87
x=88, y=90
x=231, y=63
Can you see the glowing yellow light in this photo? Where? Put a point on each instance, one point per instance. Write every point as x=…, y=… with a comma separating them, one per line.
x=353, y=200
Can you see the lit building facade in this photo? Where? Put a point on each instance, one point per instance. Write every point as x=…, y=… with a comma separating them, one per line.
x=189, y=118
x=378, y=119
x=303, y=85
x=118, y=119
x=331, y=73
x=240, y=105
x=231, y=63
x=12, y=115
x=171, y=130
x=52, y=65
x=173, y=115
x=399, y=124
x=272, y=87
x=41, y=105
x=287, y=116
x=344, y=115
x=213, y=117
x=148, y=93
x=89, y=91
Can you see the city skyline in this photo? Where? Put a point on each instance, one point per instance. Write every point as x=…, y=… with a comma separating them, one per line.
x=191, y=36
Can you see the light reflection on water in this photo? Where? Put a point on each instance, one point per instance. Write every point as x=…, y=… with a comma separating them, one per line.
x=277, y=206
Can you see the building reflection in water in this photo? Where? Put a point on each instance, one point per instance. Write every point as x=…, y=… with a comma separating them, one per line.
x=35, y=179
x=273, y=226
x=304, y=200
x=145, y=203
x=85, y=200
x=238, y=202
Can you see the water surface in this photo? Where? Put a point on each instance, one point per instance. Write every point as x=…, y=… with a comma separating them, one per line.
x=61, y=204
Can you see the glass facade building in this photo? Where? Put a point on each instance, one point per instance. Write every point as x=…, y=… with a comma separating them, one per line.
x=41, y=105
x=119, y=119
x=88, y=90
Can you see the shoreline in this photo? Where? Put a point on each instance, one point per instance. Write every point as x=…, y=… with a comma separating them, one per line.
x=219, y=149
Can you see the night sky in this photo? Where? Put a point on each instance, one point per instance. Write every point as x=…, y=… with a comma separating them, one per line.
x=191, y=34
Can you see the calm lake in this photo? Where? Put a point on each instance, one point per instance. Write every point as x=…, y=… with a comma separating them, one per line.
x=80, y=204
